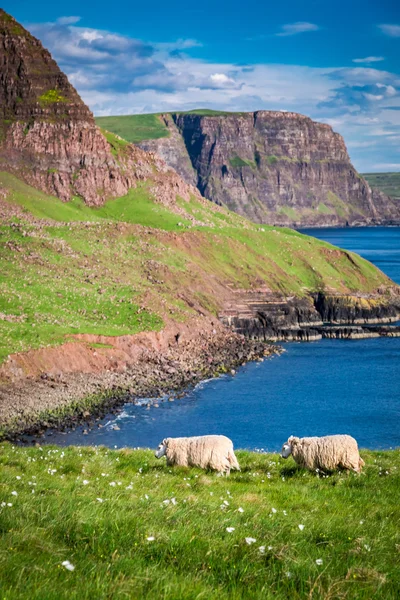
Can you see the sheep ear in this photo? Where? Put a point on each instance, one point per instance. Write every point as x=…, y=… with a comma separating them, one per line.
x=165, y=441
x=291, y=438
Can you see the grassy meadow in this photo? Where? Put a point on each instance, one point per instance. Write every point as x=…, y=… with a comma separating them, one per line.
x=94, y=523
x=389, y=183
x=135, y=128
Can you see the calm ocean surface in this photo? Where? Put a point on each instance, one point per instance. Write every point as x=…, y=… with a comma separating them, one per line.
x=317, y=388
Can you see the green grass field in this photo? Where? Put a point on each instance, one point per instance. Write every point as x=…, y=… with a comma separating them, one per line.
x=389, y=183
x=133, y=528
x=135, y=128
x=126, y=266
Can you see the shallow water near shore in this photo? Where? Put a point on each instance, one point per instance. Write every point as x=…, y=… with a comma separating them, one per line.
x=317, y=388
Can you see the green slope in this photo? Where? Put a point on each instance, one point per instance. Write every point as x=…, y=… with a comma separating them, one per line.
x=389, y=183
x=128, y=266
x=135, y=128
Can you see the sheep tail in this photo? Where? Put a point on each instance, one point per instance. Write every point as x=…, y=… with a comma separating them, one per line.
x=233, y=461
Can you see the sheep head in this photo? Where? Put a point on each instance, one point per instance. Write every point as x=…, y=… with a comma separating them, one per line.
x=287, y=446
x=161, y=449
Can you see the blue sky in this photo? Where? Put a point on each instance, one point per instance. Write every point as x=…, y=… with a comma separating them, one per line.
x=336, y=62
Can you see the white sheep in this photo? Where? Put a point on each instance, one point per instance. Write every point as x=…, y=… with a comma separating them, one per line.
x=325, y=453
x=207, y=452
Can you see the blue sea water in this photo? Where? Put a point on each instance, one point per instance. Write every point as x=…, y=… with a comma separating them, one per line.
x=317, y=388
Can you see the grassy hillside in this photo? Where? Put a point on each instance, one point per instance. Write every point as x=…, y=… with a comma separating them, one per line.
x=132, y=264
x=389, y=183
x=135, y=128
x=67, y=276
x=130, y=527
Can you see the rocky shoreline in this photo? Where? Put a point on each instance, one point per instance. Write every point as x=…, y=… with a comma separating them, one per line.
x=65, y=400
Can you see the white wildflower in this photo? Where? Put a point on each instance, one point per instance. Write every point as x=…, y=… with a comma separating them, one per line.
x=301, y=527
x=367, y=547
x=250, y=540
x=68, y=565
x=14, y=493
x=273, y=510
x=226, y=502
x=288, y=574
x=240, y=509
x=18, y=477
x=261, y=549
x=85, y=482
x=230, y=529
x=173, y=501
x=361, y=522
x=319, y=561
x=151, y=538
x=100, y=500
x=166, y=501
x=112, y=483
x=9, y=504
x=129, y=487
x=146, y=496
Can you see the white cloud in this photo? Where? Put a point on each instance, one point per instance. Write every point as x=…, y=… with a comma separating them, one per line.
x=390, y=30
x=395, y=166
x=68, y=20
x=180, y=44
x=368, y=59
x=295, y=28
x=221, y=79
x=357, y=144
x=373, y=97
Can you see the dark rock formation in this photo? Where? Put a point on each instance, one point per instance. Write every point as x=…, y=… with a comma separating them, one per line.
x=265, y=316
x=173, y=151
x=273, y=167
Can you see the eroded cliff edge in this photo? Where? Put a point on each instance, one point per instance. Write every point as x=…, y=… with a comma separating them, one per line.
x=273, y=167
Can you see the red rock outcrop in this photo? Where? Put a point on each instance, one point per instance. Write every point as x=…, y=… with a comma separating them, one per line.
x=48, y=135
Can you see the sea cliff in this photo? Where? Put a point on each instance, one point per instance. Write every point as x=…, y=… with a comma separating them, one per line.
x=273, y=167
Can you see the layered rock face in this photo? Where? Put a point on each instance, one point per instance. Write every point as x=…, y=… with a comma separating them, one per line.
x=273, y=167
x=322, y=315
x=47, y=134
